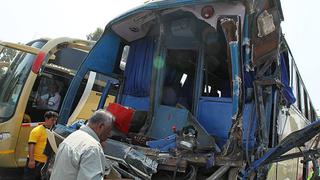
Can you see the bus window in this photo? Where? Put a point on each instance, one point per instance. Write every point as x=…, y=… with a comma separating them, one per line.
x=302, y=105
x=298, y=92
x=216, y=81
x=306, y=105
x=47, y=94
x=179, y=78
x=13, y=80
x=69, y=58
x=312, y=113
x=6, y=57
x=294, y=85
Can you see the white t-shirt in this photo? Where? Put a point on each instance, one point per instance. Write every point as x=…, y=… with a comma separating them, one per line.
x=54, y=102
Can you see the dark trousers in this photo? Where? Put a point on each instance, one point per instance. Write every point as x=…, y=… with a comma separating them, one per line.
x=33, y=173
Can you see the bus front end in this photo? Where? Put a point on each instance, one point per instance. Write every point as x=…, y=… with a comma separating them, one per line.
x=206, y=83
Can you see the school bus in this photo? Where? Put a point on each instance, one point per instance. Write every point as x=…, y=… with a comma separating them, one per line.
x=28, y=78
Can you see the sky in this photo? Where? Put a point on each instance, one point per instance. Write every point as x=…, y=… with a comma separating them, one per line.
x=300, y=27
x=26, y=20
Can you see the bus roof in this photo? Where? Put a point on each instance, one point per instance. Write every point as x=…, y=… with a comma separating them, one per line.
x=158, y=5
x=135, y=23
x=163, y=4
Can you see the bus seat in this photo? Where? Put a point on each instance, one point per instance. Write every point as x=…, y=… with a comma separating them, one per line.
x=214, y=114
x=137, y=103
x=169, y=96
x=165, y=118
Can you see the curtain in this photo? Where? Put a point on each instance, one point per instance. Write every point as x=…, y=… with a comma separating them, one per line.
x=286, y=90
x=138, y=70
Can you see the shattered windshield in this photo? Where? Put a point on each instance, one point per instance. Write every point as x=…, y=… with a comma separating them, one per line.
x=14, y=70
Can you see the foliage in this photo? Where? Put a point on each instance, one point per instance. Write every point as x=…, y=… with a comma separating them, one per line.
x=95, y=35
x=7, y=55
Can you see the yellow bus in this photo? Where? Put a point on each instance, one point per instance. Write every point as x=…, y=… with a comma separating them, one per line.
x=28, y=77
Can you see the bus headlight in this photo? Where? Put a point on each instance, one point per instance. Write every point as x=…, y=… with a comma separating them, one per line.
x=4, y=136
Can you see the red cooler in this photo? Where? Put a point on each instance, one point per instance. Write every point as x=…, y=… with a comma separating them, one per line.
x=123, y=116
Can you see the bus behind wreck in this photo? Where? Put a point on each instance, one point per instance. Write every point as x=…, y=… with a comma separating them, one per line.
x=214, y=88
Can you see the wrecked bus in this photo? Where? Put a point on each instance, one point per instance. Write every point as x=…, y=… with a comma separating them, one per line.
x=27, y=74
x=215, y=89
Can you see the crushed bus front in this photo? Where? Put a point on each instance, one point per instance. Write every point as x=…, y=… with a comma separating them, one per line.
x=207, y=81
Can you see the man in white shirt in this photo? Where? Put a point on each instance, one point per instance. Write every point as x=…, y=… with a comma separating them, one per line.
x=50, y=100
x=80, y=155
x=54, y=101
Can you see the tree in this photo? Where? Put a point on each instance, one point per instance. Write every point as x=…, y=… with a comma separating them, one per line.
x=95, y=35
x=7, y=55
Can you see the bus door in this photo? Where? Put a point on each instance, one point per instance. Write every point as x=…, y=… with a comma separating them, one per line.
x=47, y=94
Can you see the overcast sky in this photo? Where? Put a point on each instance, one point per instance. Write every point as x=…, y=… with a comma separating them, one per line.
x=25, y=20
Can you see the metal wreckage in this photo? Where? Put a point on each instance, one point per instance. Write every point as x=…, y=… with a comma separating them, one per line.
x=224, y=120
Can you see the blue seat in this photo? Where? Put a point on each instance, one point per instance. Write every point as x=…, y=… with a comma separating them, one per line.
x=137, y=103
x=214, y=114
x=165, y=118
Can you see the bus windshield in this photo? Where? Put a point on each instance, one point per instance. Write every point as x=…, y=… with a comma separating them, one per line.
x=12, y=79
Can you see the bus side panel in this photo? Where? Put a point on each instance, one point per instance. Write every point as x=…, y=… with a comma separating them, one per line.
x=22, y=145
x=7, y=146
x=10, y=149
x=290, y=169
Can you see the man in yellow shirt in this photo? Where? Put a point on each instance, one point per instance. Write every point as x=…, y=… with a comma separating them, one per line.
x=37, y=143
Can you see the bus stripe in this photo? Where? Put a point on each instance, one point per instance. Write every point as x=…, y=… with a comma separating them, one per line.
x=31, y=124
x=7, y=152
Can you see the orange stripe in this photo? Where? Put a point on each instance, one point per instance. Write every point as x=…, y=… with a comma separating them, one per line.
x=7, y=152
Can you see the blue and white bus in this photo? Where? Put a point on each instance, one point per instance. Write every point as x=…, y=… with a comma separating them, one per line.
x=215, y=76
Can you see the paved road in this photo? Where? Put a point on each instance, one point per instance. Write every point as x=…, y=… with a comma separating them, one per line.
x=11, y=174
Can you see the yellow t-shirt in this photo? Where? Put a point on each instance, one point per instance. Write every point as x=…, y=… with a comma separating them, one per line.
x=38, y=136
